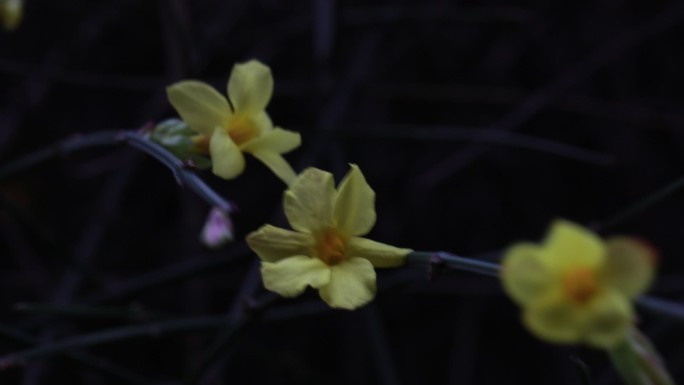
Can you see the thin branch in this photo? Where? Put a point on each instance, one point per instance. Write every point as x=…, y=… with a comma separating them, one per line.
x=129, y=313
x=603, y=55
x=240, y=316
x=640, y=206
x=104, y=366
x=183, y=174
x=436, y=261
x=154, y=329
x=442, y=133
x=175, y=272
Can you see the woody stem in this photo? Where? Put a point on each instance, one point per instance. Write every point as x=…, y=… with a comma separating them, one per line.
x=184, y=176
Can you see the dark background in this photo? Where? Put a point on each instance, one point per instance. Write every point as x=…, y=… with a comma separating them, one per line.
x=476, y=122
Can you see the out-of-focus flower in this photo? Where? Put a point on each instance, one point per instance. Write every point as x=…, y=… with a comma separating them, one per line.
x=227, y=129
x=217, y=230
x=11, y=12
x=576, y=288
x=325, y=251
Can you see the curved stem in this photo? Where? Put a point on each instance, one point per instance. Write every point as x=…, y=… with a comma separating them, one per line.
x=184, y=176
x=181, y=172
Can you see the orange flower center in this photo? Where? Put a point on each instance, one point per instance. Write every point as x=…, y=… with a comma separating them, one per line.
x=200, y=143
x=242, y=130
x=580, y=284
x=331, y=247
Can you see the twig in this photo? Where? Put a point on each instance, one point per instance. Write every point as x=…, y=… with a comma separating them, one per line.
x=97, y=363
x=640, y=206
x=154, y=329
x=167, y=274
x=441, y=133
x=130, y=313
x=605, y=53
x=184, y=176
x=240, y=315
x=440, y=260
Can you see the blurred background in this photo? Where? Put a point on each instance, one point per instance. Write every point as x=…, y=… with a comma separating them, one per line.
x=476, y=122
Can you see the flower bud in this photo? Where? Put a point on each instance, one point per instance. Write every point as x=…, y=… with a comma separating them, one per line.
x=218, y=229
x=176, y=136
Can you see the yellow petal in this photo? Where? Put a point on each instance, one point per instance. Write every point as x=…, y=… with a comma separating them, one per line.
x=352, y=284
x=199, y=105
x=272, y=243
x=277, y=141
x=554, y=319
x=250, y=87
x=524, y=275
x=226, y=159
x=570, y=245
x=354, y=204
x=609, y=318
x=379, y=254
x=629, y=265
x=263, y=122
x=290, y=276
x=308, y=202
x=277, y=164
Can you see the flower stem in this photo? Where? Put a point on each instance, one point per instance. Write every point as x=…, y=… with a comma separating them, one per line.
x=638, y=362
x=183, y=174
x=437, y=259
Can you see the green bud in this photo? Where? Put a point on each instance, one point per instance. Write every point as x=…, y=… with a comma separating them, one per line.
x=177, y=137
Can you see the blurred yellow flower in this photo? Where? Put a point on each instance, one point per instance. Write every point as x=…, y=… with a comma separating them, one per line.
x=227, y=130
x=576, y=288
x=325, y=251
x=11, y=12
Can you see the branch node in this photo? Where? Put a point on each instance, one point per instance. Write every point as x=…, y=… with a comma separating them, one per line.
x=436, y=266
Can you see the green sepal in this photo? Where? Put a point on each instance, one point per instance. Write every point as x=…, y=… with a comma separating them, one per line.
x=176, y=136
x=637, y=361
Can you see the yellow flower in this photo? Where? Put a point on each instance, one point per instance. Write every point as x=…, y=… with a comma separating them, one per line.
x=325, y=251
x=576, y=288
x=11, y=12
x=227, y=132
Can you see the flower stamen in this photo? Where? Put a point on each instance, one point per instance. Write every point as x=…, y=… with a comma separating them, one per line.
x=331, y=248
x=580, y=284
x=242, y=131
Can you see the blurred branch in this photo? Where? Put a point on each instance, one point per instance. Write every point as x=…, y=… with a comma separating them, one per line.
x=442, y=133
x=605, y=53
x=133, y=312
x=153, y=329
x=640, y=206
x=96, y=363
x=176, y=272
x=184, y=176
x=435, y=13
x=239, y=317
